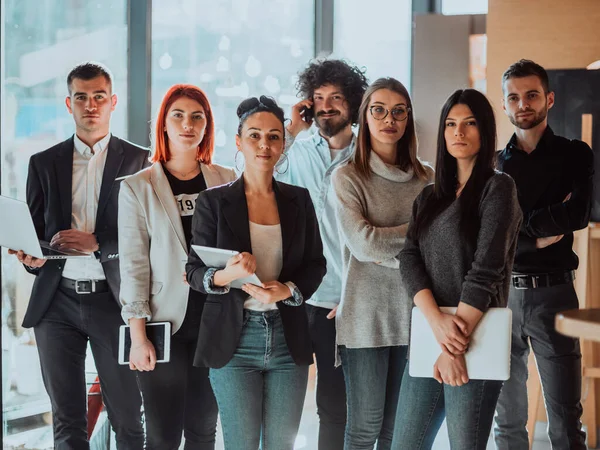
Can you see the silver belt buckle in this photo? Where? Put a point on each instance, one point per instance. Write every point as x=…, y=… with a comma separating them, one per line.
x=92, y=286
x=516, y=278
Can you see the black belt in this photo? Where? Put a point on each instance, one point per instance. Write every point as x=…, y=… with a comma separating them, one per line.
x=523, y=281
x=85, y=286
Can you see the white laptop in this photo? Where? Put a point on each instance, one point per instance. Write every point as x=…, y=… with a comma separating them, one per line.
x=218, y=257
x=17, y=232
x=488, y=357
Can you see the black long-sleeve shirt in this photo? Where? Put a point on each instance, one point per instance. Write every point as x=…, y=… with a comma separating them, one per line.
x=545, y=178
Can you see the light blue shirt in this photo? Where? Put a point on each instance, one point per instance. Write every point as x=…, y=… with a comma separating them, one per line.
x=310, y=166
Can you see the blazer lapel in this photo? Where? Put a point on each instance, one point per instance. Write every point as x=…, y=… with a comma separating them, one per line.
x=64, y=178
x=114, y=159
x=288, y=215
x=235, y=211
x=163, y=191
x=211, y=176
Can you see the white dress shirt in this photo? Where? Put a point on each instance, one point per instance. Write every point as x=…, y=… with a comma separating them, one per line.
x=88, y=168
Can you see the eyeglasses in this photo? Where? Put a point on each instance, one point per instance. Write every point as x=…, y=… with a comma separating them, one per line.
x=379, y=113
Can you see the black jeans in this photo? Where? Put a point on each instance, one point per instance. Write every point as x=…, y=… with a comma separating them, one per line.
x=331, y=391
x=62, y=337
x=178, y=396
x=558, y=360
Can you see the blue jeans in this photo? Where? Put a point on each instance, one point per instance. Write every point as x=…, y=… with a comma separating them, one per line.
x=424, y=403
x=558, y=360
x=373, y=378
x=261, y=391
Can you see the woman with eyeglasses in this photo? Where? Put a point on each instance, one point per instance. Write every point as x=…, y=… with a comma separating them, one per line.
x=375, y=193
x=255, y=339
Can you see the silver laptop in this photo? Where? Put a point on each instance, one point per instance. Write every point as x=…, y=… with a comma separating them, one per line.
x=488, y=357
x=18, y=233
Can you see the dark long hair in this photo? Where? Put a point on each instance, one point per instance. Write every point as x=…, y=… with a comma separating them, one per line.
x=446, y=182
x=406, y=150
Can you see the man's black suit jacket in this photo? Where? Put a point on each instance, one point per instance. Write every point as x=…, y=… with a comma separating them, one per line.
x=221, y=220
x=49, y=196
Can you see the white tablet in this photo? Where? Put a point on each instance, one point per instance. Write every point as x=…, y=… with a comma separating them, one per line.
x=218, y=257
x=159, y=333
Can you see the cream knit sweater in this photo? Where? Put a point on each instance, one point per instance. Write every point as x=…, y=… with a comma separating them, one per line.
x=373, y=217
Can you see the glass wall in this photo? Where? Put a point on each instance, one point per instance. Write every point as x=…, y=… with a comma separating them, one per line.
x=452, y=7
x=232, y=50
x=41, y=40
x=377, y=38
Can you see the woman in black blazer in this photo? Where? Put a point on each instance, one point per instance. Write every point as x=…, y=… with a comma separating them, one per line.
x=255, y=339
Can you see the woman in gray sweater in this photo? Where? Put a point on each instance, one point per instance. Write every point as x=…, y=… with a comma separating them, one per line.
x=375, y=193
x=459, y=252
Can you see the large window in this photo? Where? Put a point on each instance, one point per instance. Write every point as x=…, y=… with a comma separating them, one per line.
x=41, y=40
x=377, y=37
x=232, y=50
x=453, y=7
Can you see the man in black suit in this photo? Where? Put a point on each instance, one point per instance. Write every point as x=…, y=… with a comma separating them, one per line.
x=72, y=193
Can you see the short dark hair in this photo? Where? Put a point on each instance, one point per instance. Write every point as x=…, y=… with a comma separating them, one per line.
x=525, y=68
x=350, y=79
x=254, y=105
x=88, y=71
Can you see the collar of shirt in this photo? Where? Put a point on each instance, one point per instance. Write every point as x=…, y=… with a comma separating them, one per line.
x=321, y=143
x=99, y=146
x=544, y=143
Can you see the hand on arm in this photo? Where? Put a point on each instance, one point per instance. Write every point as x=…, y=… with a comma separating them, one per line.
x=454, y=371
x=547, y=241
x=450, y=331
x=451, y=371
x=550, y=240
x=142, y=355
x=573, y=213
x=270, y=292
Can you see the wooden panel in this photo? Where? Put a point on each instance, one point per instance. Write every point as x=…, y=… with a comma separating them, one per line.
x=554, y=33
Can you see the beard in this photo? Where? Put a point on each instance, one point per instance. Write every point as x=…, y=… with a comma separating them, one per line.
x=332, y=125
x=532, y=121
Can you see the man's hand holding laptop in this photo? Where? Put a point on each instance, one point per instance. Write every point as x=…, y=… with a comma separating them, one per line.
x=63, y=240
x=28, y=260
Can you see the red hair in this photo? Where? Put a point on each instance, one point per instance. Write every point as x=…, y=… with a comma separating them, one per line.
x=161, y=140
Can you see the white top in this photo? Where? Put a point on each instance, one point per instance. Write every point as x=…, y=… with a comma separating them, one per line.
x=267, y=248
x=88, y=168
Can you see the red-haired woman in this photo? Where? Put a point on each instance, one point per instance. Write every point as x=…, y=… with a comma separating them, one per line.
x=155, y=232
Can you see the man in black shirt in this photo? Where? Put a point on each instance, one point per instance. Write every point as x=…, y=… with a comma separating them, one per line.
x=554, y=182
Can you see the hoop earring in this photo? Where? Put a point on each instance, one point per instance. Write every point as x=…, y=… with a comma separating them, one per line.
x=238, y=153
x=282, y=159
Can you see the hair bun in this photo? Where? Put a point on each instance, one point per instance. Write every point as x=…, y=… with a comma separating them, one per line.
x=247, y=105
